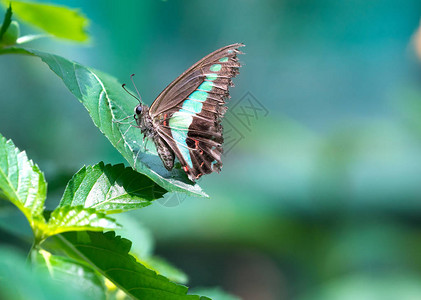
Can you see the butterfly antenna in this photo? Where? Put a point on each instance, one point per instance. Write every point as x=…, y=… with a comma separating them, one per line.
x=124, y=88
x=140, y=98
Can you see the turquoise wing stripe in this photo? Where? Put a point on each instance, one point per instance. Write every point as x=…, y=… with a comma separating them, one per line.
x=198, y=95
x=206, y=86
x=191, y=106
x=179, y=122
x=182, y=119
x=215, y=68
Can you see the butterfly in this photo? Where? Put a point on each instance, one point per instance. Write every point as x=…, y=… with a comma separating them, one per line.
x=184, y=121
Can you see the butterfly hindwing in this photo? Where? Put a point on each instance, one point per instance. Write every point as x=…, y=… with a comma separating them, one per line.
x=187, y=114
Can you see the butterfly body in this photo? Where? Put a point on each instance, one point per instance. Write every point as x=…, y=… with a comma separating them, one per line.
x=184, y=121
x=146, y=125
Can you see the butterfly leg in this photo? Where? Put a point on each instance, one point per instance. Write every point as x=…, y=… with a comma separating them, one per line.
x=124, y=134
x=120, y=121
x=145, y=142
x=135, y=159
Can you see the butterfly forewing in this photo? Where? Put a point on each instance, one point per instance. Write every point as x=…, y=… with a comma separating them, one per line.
x=187, y=114
x=186, y=83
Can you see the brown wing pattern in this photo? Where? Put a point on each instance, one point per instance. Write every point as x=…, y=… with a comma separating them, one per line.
x=188, y=113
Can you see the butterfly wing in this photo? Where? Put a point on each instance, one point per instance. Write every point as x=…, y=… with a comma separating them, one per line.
x=187, y=114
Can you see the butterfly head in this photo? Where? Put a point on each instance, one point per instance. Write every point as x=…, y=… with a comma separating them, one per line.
x=138, y=110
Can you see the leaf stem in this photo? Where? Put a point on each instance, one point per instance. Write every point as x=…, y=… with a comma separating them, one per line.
x=34, y=248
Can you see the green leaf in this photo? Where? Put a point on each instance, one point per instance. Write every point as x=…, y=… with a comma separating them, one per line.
x=77, y=218
x=19, y=282
x=21, y=182
x=69, y=271
x=6, y=22
x=109, y=254
x=59, y=21
x=110, y=188
x=106, y=103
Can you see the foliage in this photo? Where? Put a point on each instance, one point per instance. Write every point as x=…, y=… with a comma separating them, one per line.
x=69, y=242
x=6, y=22
x=58, y=21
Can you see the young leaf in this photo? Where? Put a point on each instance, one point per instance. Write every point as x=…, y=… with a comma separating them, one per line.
x=106, y=103
x=110, y=188
x=77, y=218
x=21, y=182
x=70, y=271
x=109, y=254
x=6, y=22
x=59, y=21
x=11, y=35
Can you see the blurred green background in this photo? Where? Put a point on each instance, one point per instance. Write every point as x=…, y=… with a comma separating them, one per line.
x=320, y=194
